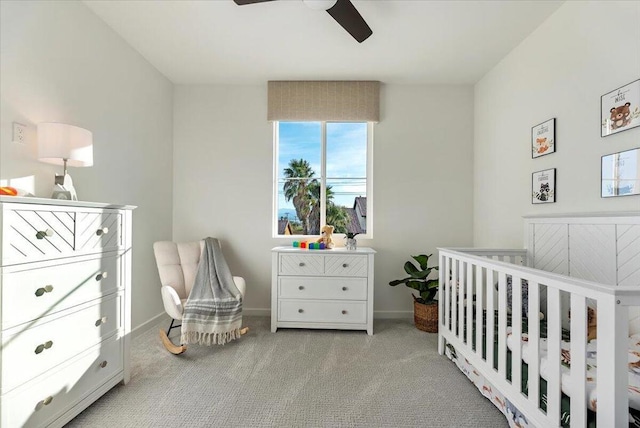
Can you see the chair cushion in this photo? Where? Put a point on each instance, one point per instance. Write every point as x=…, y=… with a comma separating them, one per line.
x=178, y=264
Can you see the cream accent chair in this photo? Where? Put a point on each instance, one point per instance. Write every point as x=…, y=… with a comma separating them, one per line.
x=177, y=266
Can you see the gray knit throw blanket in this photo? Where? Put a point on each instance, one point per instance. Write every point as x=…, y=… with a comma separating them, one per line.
x=213, y=312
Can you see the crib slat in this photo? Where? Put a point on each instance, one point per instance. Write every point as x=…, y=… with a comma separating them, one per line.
x=454, y=297
x=512, y=259
x=469, y=278
x=516, y=334
x=441, y=297
x=479, y=307
x=578, y=360
x=553, y=356
x=491, y=339
x=447, y=292
x=502, y=324
x=533, y=387
x=461, y=314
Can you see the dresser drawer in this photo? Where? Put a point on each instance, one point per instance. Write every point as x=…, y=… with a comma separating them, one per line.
x=323, y=288
x=31, y=352
x=345, y=265
x=299, y=264
x=63, y=388
x=29, y=294
x=98, y=231
x=37, y=234
x=344, y=312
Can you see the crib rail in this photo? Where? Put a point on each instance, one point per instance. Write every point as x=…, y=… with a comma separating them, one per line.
x=468, y=274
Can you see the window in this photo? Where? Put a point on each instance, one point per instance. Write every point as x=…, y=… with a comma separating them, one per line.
x=322, y=175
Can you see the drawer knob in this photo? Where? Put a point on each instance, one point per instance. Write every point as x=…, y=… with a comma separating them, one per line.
x=301, y=264
x=45, y=402
x=41, y=234
x=344, y=288
x=301, y=287
x=344, y=265
x=101, y=321
x=46, y=289
x=102, y=231
x=101, y=276
x=344, y=312
x=46, y=345
x=300, y=311
x=103, y=364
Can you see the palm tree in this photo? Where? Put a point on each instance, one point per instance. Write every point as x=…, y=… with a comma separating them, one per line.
x=335, y=215
x=297, y=188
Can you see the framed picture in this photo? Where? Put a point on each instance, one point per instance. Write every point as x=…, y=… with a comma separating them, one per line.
x=621, y=174
x=620, y=109
x=543, y=138
x=543, y=186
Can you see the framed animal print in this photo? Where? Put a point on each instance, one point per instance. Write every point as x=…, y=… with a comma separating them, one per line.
x=543, y=138
x=621, y=174
x=543, y=186
x=620, y=109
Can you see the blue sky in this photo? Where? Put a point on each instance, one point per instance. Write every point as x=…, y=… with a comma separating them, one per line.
x=346, y=155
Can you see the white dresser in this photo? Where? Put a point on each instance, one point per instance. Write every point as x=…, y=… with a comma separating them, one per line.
x=330, y=289
x=65, y=275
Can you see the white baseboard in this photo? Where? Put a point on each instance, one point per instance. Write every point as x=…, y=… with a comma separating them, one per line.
x=149, y=324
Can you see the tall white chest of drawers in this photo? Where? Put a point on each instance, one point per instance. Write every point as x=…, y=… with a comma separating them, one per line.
x=328, y=289
x=65, y=275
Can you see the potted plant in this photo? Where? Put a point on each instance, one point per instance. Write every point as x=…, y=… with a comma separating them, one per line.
x=351, y=244
x=425, y=307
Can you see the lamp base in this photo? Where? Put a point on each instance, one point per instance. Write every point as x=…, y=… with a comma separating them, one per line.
x=63, y=188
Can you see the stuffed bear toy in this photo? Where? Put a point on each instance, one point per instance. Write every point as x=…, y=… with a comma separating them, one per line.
x=326, y=236
x=620, y=116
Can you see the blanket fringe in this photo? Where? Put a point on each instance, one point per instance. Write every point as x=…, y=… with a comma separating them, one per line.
x=209, y=339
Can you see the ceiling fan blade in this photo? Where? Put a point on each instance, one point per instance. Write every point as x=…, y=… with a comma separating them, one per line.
x=243, y=2
x=346, y=14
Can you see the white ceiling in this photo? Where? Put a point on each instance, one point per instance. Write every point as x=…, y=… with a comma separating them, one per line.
x=413, y=41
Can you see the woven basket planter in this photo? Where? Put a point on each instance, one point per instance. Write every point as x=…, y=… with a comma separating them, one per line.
x=425, y=316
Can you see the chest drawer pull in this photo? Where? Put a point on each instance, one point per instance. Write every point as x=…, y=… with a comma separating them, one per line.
x=46, y=345
x=101, y=321
x=102, y=231
x=301, y=287
x=344, y=312
x=103, y=364
x=46, y=289
x=344, y=265
x=101, y=276
x=300, y=311
x=301, y=264
x=41, y=234
x=344, y=288
x=44, y=402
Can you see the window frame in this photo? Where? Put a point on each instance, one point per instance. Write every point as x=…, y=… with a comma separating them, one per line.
x=323, y=184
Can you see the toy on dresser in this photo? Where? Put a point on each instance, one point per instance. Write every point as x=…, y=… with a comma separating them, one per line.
x=309, y=245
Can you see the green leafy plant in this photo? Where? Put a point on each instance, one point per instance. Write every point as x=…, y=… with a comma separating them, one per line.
x=418, y=279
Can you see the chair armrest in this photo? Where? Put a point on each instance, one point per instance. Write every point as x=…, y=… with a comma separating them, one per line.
x=241, y=284
x=171, y=301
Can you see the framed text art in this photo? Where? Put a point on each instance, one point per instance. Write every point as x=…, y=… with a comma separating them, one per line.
x=620, y=109
x=543, y=138
x=543, y=186
x=621, y=174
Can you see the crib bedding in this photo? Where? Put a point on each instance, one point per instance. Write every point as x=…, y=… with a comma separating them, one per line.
x=515, y=416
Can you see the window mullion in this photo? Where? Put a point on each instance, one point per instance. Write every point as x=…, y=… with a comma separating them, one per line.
x=323, y=174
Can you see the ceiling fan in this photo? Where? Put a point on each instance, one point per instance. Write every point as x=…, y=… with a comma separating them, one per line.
x=343, y=11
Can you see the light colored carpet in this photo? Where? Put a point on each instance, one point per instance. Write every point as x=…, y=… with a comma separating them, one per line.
x=296, y=378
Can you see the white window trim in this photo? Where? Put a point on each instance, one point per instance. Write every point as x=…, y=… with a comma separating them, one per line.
x=274, y=184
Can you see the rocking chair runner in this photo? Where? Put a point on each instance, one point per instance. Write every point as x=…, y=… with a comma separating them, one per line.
x=177, y=266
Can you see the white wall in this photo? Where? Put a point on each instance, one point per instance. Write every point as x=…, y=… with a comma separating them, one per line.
x=581, y=52
x=422, y=189
x=61, y=63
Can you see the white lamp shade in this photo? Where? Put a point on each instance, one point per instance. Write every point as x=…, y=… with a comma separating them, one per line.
x=57, y=141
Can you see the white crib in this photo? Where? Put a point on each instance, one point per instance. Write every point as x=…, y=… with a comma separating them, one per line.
x=594, y=261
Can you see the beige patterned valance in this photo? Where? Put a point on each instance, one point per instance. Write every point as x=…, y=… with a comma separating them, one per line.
x=313, y=100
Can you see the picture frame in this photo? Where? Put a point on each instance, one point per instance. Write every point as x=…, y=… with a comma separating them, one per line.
x=543, y=186
x=543, y=138
x=620, y=174
x=620, y=109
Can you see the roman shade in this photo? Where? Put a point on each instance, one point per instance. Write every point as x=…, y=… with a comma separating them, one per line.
x=316, y=100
